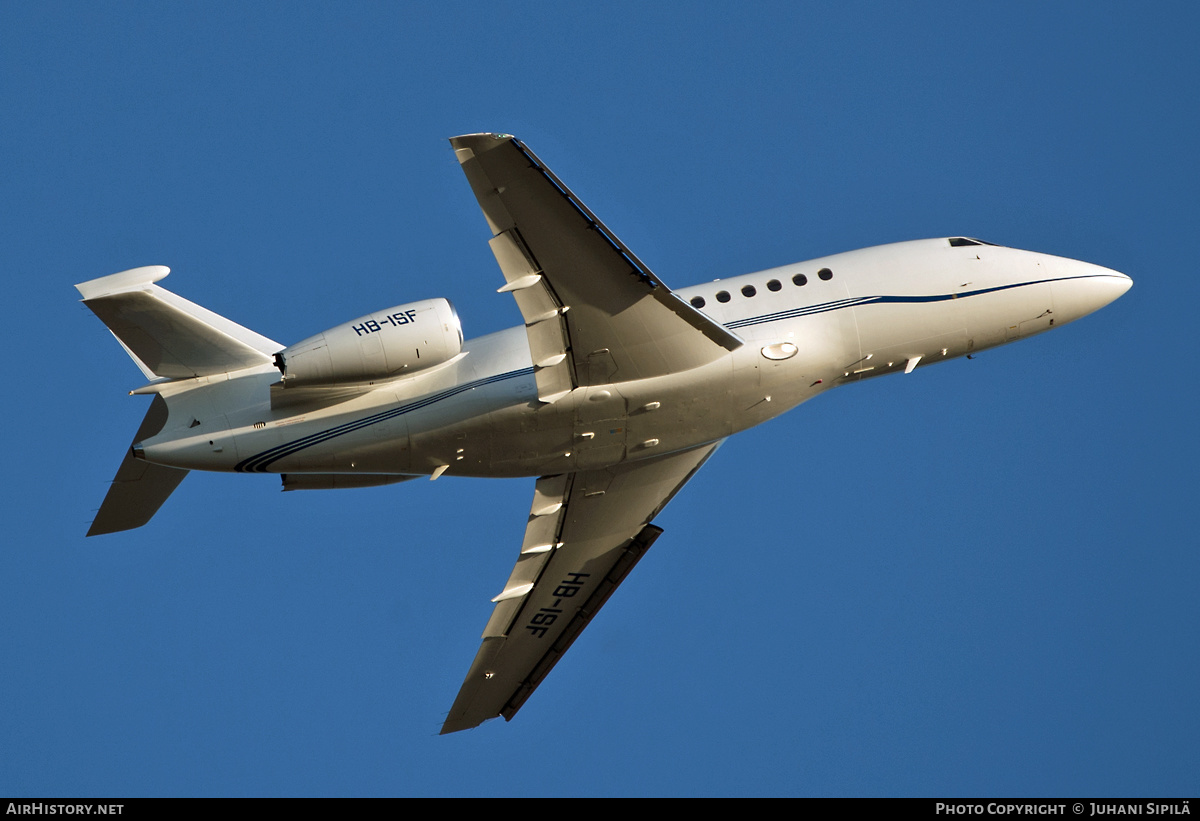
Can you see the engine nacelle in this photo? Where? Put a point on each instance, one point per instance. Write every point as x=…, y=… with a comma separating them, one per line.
x=383, y=345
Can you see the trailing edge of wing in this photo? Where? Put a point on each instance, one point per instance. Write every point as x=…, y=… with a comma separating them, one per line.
x=582, y=292
x=585, y=532
x=165, y=334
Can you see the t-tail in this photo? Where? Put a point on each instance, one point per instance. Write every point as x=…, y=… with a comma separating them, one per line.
x=171, y=340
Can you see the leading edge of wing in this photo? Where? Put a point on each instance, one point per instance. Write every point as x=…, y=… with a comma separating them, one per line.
x=585, y=533
x=568, y=270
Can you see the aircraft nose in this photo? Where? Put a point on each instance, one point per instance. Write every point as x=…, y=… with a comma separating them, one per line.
x=1085, y=289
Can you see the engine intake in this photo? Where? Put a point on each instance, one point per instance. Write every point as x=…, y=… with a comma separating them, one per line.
x=383, y=345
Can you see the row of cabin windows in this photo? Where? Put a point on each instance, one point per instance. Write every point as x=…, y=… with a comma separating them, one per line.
x=772, y=285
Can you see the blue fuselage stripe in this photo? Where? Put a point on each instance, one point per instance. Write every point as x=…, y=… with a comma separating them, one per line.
x=260, y=462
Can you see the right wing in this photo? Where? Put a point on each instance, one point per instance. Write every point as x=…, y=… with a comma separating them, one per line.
x=593, y=311
x=586, y=531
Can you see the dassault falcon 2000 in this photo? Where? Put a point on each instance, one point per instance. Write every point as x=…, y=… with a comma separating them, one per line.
x=613, y=393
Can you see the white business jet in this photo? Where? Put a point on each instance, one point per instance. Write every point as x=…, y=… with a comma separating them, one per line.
x=613, y=394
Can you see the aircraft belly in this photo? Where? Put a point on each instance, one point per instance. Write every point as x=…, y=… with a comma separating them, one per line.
x=673, y=412
x=599, y=425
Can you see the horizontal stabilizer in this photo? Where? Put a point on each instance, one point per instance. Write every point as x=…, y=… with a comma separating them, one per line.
x=139, y=488
x=165, y=334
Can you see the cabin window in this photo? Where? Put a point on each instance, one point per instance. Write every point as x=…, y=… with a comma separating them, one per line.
x=800, y=279
x=825, y=274
x=774, y=285
x=722, y=296
x=748, y=290
x=697, y=302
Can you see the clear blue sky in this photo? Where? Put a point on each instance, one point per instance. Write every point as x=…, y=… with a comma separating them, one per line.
x=977, y=579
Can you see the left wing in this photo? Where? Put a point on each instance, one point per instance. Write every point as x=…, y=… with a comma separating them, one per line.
x=586, y=531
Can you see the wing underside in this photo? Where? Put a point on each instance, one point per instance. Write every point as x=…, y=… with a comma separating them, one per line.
x=585, y=532
x=593, y=311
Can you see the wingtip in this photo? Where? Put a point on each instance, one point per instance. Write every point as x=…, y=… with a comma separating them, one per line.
x=447, y=729
x=457, y=726
x=467, y=146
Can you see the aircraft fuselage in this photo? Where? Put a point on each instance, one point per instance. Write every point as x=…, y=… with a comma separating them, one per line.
x=808, y=327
